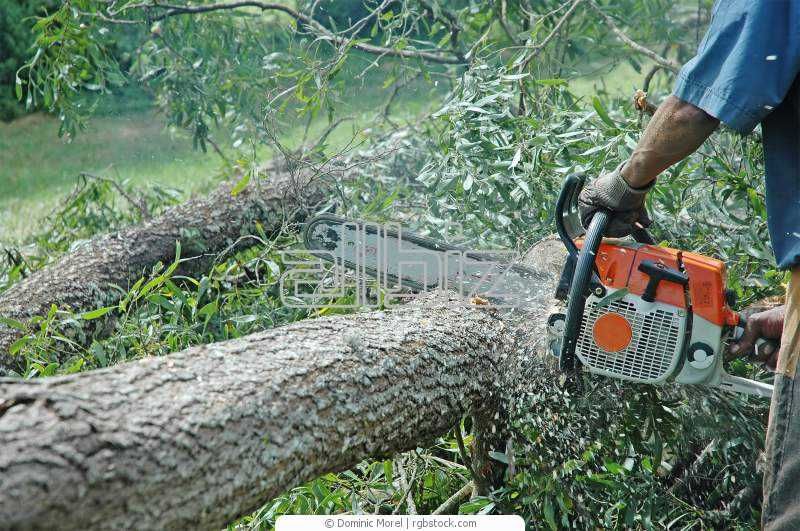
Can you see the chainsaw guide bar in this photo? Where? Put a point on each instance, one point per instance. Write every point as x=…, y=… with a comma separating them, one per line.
x=402, y=261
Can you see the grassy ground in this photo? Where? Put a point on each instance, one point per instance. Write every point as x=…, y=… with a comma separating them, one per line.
x=615, y=81
x=37, y=168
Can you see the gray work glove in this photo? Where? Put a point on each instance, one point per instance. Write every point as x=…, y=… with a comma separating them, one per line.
x=611, y=192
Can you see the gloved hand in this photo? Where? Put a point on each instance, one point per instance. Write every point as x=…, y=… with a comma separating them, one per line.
x=768, y=325
x=611, y=192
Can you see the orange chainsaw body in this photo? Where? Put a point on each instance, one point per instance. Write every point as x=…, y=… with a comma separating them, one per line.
x=618, y=262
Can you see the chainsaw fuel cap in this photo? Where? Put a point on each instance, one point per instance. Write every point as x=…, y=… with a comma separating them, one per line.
x=612, y=332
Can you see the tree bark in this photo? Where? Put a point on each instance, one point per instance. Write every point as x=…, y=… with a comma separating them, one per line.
x=197, y=438
x=88, y=277
x=200, y=437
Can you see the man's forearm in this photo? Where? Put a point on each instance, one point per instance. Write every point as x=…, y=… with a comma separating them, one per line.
x=676, y=130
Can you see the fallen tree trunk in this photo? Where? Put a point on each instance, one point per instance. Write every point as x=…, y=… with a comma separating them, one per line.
x=197, y=438
x=87, y=277
x=200, y=437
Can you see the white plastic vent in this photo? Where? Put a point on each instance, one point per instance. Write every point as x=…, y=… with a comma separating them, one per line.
x=655, y=347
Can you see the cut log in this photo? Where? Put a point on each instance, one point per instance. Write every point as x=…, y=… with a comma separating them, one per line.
x=87, y=277
x=197, y=438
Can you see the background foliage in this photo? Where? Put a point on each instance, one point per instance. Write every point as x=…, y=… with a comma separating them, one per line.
x=477, y=137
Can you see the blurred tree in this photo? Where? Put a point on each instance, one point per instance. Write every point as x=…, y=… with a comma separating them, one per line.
x=16, y=39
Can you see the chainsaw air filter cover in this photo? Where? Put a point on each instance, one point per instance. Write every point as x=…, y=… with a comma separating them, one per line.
x=632, y=339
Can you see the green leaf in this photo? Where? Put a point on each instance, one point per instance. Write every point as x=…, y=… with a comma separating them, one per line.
x=13, y=323
x=612, y=297
x=473, y=506
x=554, y=82
x=18, y=344
x=94, y=314
x=387, y=472
x=614, y=468
x=499, y=456
x=513, y=77
x=630, y=516
x=550, y=514
x=241, y=185
x=208, y=310
x=18, y=87
x=75, y=366
x=99, y=354
x=601, y=112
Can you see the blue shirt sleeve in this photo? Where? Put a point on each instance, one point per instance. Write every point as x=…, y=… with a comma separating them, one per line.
x=746, y=62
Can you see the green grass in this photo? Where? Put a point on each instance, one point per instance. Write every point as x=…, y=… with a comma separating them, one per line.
x=615, y=80
x=37, y=168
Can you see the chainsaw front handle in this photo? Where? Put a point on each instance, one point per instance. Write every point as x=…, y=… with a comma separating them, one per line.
x=568, y=223
x=580, y=261
x=579, y=287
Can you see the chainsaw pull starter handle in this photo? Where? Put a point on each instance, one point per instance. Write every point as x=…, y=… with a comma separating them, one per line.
x=576, y=301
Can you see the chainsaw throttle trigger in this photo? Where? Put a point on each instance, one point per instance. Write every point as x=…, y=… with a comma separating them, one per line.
x=658, y=272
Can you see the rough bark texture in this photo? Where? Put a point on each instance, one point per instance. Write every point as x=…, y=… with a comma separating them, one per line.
x=200, y=437
x=197, y=438
x=86, y=278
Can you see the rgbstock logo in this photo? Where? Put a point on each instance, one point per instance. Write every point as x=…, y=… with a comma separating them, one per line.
x=369, y=265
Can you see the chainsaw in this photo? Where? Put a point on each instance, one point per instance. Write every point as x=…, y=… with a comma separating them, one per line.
x=634, y=311
x=640, y=312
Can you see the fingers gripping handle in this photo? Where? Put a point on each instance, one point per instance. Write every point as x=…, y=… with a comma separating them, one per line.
x=760, y=344
x=567, y=217
x=579, y=287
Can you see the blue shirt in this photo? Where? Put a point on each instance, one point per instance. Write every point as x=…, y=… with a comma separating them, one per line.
x=746, y=72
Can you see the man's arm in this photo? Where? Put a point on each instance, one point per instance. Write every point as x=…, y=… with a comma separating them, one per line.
x=676, y=130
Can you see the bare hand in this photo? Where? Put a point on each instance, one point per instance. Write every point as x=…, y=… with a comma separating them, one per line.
x=767, y=325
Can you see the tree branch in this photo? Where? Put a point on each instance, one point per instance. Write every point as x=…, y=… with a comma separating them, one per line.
x=453, y=501
x=325, y=33
x=536, y=50
x=502, y=17
x=664, y=62
x=411, y=507
x=90, y=275
x=138, y=204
